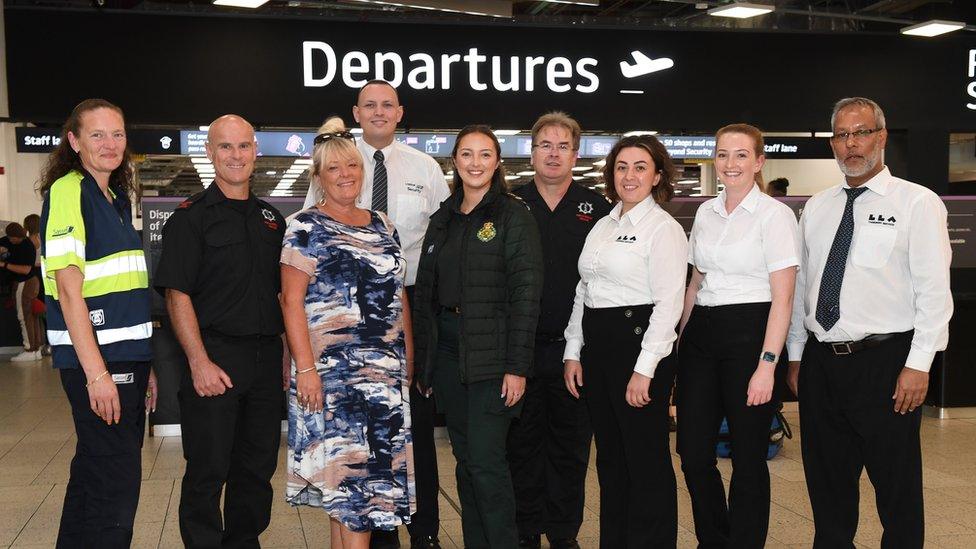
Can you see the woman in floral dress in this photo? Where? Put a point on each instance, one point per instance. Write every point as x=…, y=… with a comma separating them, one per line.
x=348, y=329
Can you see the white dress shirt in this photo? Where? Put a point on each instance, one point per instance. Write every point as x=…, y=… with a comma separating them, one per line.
x=737, y=251
x=897, y=273
x=416, y=188
x=633, y=259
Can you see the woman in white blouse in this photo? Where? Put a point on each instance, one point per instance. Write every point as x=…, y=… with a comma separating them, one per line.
x=620, y=339
x=743, y=248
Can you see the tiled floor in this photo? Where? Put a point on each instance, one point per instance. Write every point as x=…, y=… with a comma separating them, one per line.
x=37, y=442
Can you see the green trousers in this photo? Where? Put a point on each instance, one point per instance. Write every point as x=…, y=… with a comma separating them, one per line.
x=477, y=422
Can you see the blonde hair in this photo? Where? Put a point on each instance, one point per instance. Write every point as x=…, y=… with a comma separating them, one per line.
x=336, y=147
x=757, y=139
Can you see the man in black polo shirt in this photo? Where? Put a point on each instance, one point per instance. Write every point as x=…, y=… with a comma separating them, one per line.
x=549, y=445
x=220, y=273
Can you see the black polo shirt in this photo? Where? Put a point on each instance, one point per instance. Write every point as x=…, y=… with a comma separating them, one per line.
x=563, y=233
x=225, y=255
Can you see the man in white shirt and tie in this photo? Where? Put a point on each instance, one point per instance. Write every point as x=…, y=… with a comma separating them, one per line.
x=409, y=186
x=872, y=307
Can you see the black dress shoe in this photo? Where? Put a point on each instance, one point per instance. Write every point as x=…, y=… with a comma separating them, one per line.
x=384, y=539
x=530, y=542
x=564, y=543
x=425, y=542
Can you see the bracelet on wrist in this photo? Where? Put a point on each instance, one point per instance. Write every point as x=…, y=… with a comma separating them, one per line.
x=96, y=378
x=306, y=370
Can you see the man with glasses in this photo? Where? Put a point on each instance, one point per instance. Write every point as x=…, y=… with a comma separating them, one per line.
x=409, y=186
x=871, y=309
x=549, y=445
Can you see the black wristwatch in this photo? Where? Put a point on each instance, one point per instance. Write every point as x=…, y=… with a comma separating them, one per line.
x=768, y=357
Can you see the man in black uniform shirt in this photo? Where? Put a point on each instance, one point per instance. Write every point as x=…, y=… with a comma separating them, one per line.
x=220, y=273
x=549, y=445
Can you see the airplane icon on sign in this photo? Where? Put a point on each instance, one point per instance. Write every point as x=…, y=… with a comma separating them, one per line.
x=644, y=65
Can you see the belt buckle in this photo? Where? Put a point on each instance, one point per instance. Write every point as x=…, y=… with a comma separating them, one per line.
x=842, y=348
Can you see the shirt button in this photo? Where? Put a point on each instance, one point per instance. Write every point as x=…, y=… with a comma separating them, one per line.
x=638, y=330
x=628, y=313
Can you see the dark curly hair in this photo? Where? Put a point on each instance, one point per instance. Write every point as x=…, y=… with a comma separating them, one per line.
x=664, y=190
x=64, y=159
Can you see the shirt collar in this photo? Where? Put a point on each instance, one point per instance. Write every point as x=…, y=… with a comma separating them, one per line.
x=215, y=195
x=750, y=202
x=369, y=150
x=636, y=213
x=880, y=183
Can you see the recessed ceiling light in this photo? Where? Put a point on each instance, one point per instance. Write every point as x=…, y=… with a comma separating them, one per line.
x=932, y=28
x=741, y=10
x=241, y=3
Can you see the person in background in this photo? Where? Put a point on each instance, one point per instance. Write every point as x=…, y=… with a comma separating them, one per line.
x=477, y=305
x=872, y=308
x=778, y=186
x=744, y=255
x=17, y=255
x=348, y=325
x=32, y=288
x=408, y=186
x=99, y=322
x=549, y=444
x=221, y=276
x=620, y=340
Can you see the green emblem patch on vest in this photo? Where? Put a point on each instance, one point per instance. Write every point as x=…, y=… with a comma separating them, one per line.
x=487, y=231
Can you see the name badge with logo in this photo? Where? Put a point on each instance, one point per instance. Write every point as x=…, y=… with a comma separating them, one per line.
x=122, y=379
x=97, y=317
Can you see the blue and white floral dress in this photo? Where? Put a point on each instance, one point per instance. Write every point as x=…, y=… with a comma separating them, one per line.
x=354, y=458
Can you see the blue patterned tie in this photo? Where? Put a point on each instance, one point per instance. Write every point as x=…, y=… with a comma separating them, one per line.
x=379, y=183
x=828, y=301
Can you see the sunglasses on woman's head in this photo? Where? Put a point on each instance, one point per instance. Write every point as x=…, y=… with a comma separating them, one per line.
x=323, y=137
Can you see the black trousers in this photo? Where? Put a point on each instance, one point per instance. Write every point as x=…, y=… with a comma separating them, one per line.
x=638, y=491
x=106, y=472
x=549, y=450
x=426, y=521
x=231, y=439
x=718, y=354
x=848, y=422
x=477, y=422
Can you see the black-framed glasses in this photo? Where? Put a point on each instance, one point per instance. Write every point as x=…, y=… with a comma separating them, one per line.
x=323, y=137
x=858, y=135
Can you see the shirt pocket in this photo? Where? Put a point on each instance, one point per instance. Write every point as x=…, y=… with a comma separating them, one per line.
x=873, y=245
x=411, y=211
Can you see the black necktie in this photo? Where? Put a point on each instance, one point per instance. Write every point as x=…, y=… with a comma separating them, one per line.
x=828, y=301
x=379, y=183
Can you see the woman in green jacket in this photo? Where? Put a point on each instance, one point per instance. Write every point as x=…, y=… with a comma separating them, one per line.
x=477, y=304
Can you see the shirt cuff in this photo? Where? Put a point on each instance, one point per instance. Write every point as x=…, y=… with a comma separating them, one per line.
x=646, y=363
x=919, y=360
x=794, y=351
x=780, y=265
x=572, y=351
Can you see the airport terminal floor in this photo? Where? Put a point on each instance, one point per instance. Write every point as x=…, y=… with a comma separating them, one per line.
x=37, y=443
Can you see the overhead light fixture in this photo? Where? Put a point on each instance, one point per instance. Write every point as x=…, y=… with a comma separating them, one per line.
x=741, y=10
x=581, y=168
x=205, y=160
x=512, y=177
x=506, y=132
x=932, y=28
x=578, y=177
x=600, y=163
x=593, y=174
x=640, y=132
x=490, y=8
x=305, y=161
x=241, y=3
x=271, y=172
x=527, y=173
